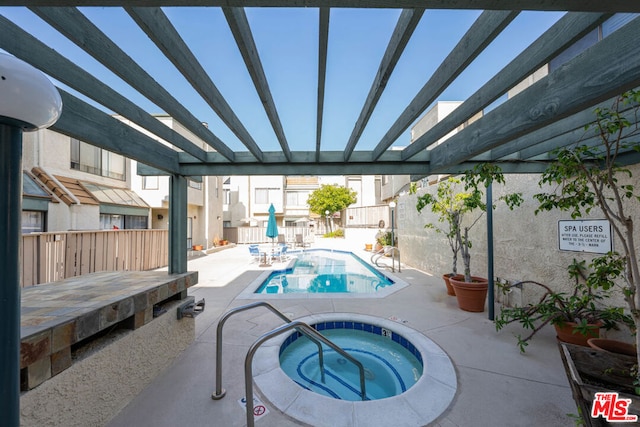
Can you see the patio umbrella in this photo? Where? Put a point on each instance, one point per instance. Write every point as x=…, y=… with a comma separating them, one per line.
x=272, y=227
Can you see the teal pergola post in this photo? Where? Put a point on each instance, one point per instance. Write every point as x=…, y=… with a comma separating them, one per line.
x=10, y=238
x=178, y=224
x=490, y=295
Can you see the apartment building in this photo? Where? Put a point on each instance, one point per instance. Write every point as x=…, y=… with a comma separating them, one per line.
x=72, y=185
x=247, y=199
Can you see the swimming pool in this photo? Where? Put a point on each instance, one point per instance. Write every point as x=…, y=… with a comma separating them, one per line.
x=324, y=271
x=392, y=364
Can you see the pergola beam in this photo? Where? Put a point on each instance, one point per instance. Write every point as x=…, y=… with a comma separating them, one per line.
x=161, y=31
x=239, y=25
x=26, y=47
x=606, y=69
x=529, y=145
x=323, y=41
x=77, y=28
x=84, y=122
x=407, y=23
x=547, y=5
x=561, y=35
x=483, y=31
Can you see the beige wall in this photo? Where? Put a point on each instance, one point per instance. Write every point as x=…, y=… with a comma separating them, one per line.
x=525, y=244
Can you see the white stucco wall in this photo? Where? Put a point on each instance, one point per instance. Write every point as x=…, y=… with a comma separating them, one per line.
x=525, y=244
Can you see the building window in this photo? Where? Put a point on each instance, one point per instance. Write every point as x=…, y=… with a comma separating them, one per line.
x=111, y=222
x=227, y=196
x=87, y=158
x=150, y=182
x=266, y=195
x=195, y=184
x=33, y=222
x=135, y=222
x=121, y=222
x=297, y=198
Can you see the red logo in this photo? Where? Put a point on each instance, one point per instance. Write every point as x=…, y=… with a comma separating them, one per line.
x=612, y=408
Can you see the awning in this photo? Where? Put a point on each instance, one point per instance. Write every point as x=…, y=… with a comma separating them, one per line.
x=117, y=201
x=112, y=200
x=34, y=197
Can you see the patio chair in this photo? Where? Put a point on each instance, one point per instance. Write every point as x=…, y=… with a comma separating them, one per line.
x=283, y=252
x=254, y=252
x=301, y=241
x=276, y=253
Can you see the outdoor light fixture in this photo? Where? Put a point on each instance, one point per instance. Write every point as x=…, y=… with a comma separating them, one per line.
x=28, y=102
x=28, y=99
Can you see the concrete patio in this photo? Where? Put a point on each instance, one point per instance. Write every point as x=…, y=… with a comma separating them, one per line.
x=496, y=385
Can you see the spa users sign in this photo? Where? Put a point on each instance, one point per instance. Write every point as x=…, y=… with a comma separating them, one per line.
x=588, y=235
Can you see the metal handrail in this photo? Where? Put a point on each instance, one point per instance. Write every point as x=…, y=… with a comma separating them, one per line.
x=384, y=251
x=220, y=392
x=298, y=325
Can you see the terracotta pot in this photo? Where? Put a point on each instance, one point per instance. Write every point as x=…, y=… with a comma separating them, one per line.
x=471, y=296
x=613, y=346
x=565, y=333
x=197, y=247
x=447, y=283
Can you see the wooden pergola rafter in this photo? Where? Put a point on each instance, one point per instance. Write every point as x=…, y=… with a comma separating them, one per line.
x=490, y=137
x=520, y=133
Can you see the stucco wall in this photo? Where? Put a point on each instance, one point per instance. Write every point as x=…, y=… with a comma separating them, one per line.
x=525, y=244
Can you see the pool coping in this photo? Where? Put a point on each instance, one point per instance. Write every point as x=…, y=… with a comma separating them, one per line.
x=437, y=386
x=249, y=291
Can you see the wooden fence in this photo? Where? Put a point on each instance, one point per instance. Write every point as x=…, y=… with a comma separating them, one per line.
x=244, y=235
x=47, y=257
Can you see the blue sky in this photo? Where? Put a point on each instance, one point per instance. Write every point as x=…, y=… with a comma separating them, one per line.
x=287, y=41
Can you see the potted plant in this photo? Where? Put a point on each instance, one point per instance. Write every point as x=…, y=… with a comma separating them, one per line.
x=577, y=316
x=448, y=205
x=454, y=200
x=591, y=175
x=383, y=238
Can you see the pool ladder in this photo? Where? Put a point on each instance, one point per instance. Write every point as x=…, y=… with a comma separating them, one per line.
x=299, y=326
x=391, y=250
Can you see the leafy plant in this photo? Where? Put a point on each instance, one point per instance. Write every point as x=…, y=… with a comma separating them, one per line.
x=332, y=198
x=383, y=238
x=589, y=175
x=454, y=199
x=583, y=306
x=336, y=233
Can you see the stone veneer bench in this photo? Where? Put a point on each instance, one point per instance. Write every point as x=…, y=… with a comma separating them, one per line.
x=108, y=326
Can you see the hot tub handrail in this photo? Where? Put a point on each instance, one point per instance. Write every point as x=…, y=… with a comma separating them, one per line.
x=298, y=325
x=220, y=392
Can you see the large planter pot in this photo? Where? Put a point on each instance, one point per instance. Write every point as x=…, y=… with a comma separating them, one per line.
x=447, y=283
x=471, y=296
x=565, y=333
x=613, y=346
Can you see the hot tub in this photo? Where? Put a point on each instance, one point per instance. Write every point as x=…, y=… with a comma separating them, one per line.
x=419, y=405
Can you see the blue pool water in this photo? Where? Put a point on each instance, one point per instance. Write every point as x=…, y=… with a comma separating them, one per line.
x=392, y=364
x=324, y=271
